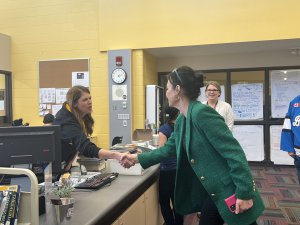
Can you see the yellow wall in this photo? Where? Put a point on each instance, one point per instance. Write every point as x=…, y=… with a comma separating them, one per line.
x=64, y=29
x=137, y=24
x=2, y=81
x=5, y=55
x=56, y=29
x=143, y=72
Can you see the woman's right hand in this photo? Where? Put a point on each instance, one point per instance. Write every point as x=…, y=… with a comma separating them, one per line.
x=128, y=160
x=243, y=205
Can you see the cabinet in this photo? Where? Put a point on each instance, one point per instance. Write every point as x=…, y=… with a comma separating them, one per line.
x=144, y=211
x=135, y=214
x=152, y=205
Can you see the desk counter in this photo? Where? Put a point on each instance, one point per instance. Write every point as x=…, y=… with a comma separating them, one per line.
x=105, y=205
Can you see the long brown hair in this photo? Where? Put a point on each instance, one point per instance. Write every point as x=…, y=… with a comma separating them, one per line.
x=73, y=95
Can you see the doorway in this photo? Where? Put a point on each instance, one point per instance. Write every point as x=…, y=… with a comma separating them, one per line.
x=5, y=98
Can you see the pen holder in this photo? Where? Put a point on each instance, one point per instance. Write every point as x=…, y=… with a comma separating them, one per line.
x=63, y=210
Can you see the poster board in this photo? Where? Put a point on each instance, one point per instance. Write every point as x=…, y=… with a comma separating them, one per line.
x=247, y=101
x=251, y=138
x=285, y=87
x=55, y=79
x=277, y=156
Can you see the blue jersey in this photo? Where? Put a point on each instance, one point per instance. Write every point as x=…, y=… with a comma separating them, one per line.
x=290, y=135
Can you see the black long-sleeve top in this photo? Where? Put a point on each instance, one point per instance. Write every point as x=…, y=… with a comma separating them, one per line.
x=73, y=138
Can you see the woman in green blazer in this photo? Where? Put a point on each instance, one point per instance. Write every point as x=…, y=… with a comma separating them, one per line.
x=211, y=165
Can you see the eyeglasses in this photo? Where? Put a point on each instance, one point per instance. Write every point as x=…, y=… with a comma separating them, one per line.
x=178, y=77
x=212, y=90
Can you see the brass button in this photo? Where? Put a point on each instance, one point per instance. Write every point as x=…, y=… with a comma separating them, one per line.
x=192, y=161
x=202, y=178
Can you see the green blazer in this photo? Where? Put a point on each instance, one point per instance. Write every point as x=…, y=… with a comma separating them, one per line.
x=214, y=164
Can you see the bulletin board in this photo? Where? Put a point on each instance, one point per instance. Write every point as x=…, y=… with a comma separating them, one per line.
x=55, y=79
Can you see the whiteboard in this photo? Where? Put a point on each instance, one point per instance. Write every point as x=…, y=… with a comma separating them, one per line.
x=251, y=138
x=278, y=156
x=247, y=101
x=285, y=87
x=202, y=97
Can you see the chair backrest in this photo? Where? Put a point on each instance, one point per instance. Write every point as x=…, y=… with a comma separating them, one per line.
x=117, y=140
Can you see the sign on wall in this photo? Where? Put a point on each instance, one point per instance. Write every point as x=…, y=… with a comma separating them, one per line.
x=251, y=138
x=285, y=86
x=247, y=101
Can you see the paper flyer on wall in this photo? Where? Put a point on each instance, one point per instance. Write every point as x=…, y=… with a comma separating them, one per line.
x=61, y=94
x=55, y=109
x=251, y=139
x=47, y=95
x=285, y=87
x=1, y=105
x=81, y=78
x=247, y=101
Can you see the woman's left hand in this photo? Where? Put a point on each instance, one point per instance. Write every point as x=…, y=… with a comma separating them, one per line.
x=243, y=205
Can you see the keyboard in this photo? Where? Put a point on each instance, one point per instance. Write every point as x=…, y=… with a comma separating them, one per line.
x=97, y=181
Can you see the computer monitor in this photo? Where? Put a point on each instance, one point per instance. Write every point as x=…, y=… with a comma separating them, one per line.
x=31, y=145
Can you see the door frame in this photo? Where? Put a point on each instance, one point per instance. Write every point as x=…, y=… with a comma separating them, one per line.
x=8, y=97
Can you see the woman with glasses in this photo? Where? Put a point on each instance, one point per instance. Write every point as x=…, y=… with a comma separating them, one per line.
x=211, y=165
x=213, y=92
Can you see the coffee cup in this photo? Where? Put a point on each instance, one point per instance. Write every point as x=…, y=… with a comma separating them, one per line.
x=155, y=140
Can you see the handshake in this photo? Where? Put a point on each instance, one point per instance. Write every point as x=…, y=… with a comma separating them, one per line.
x=126, y=160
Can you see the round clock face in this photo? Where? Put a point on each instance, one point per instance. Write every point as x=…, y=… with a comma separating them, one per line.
x=118, y=76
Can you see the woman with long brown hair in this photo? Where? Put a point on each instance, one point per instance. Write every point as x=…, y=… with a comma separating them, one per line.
x=77, y=124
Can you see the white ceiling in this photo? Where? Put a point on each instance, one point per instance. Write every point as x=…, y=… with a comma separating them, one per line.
x=222, y=49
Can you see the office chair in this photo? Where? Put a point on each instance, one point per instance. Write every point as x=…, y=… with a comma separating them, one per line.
x=116, y=140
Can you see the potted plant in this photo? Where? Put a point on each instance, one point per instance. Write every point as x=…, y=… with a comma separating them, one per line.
x=63, y=192
x=63, y=204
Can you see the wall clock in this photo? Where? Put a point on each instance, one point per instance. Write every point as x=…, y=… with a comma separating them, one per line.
x=118, y=76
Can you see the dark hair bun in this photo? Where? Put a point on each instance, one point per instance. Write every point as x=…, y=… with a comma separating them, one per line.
x=48, y=118
x=171, y=113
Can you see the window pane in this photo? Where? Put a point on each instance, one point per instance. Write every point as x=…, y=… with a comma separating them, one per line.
x=285, y=86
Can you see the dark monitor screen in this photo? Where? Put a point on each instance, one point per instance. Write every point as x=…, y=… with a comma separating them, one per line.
x=30, y=145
